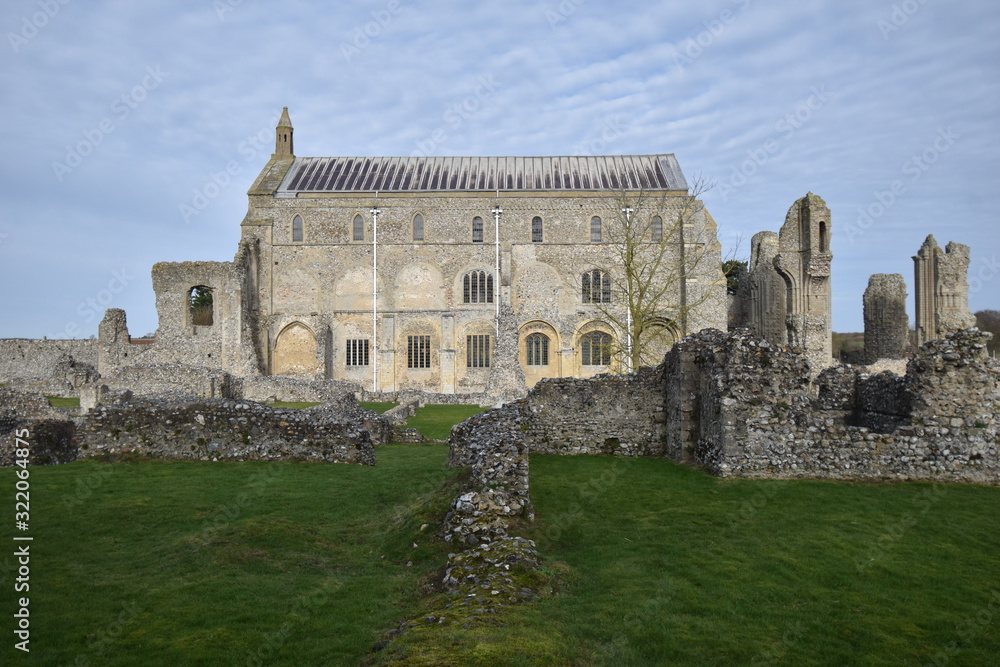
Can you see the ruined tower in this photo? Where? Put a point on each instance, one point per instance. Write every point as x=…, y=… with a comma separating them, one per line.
x=790, y=282
x=887, y=333
x=942, y=290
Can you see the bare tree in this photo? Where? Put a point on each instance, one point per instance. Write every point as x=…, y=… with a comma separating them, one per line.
x=658, y=242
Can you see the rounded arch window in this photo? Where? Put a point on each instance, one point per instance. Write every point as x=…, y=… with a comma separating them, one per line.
x=359, y=228
x=595, y=348
x=418, y=227
x=537, y=349
x=297, y=229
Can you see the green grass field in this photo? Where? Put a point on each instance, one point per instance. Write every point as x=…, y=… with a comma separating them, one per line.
x=189, y=563
x=435, y=421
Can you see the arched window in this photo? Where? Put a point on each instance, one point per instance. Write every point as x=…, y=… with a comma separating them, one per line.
x=595, y=230
x=297, y=229
x=824, y=241
x=657, y=229
x=477, y=230
x=596, y=287
x=596, y=349
x=477, y=287
x=359, y=228
x=418, y=227
x=200, y=306
x=536, y=230
x=538, y=349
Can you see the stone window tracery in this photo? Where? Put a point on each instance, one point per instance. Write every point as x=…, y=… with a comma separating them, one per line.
x=477, y=287
x=418, y=351
x=357, y=352
x=537, y=345
x=596, y=287
x=477, y=351
x=595, y=348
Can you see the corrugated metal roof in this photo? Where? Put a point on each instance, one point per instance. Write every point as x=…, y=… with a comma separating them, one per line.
x=473, y=174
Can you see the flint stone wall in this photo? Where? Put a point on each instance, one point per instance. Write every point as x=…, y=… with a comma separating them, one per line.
x=938, y=422
x=210, y=429
x=40, y=359
x=49, y=442
x=492, y=445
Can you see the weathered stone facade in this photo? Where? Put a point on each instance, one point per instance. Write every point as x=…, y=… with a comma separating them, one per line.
x=887, y=328
x=316, y=291
x=789, y=283
x=942, y=290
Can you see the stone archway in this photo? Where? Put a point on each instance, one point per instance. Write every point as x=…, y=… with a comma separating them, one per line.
x=295, y=351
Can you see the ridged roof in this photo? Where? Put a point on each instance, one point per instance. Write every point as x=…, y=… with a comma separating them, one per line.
x=474, y=174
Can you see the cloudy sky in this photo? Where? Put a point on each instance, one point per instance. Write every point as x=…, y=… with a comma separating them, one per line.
x=133, y=130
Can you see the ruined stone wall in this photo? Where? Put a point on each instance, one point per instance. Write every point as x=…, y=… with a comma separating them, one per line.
x=496, y=493
x=609, y=414
x=220, y=429
x=48, y=441
x=43, y=359
x=887, y=328
x=939, y=422
x=942, y=290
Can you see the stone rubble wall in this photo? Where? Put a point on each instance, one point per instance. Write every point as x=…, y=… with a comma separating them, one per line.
x=492, y=445
x=30, y=359
x=17, y=407
x=607, y=414
x=50, y=442
x=222, y=429
x=940, y=422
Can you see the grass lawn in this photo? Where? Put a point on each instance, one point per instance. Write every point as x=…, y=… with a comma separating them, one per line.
x=57, y=402
x=378, y=407
x=659, y=564
x=186, y=563
x=435, y=421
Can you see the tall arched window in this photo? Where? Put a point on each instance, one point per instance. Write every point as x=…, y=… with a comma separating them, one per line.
x=536, y=230
x=296, y=229
x=596, y=287
x=418, y=227
x=657, y=230
x=595, y=230
x=477, y=287
x=359, y=228
x=477, y=230
x=537, y=345
x=595, y=348
x=200, y=305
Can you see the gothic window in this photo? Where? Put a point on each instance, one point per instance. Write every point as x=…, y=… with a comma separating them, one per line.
x=538, y=349
x=359, y=228
x=657, y=229
x=297, y=229
x=357, y=352
x=477, y=287
x=200, y=306
x=477, y=230
x=536, y=230
x=418, y=227
x=418, y=351
x=596, y=349
x=596, y=287
x=477, y=351
x=595, y=230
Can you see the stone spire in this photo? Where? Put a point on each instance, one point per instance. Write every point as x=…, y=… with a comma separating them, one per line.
x=283, y=135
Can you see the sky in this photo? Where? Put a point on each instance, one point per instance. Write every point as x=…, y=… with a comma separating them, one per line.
x=132, y=131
